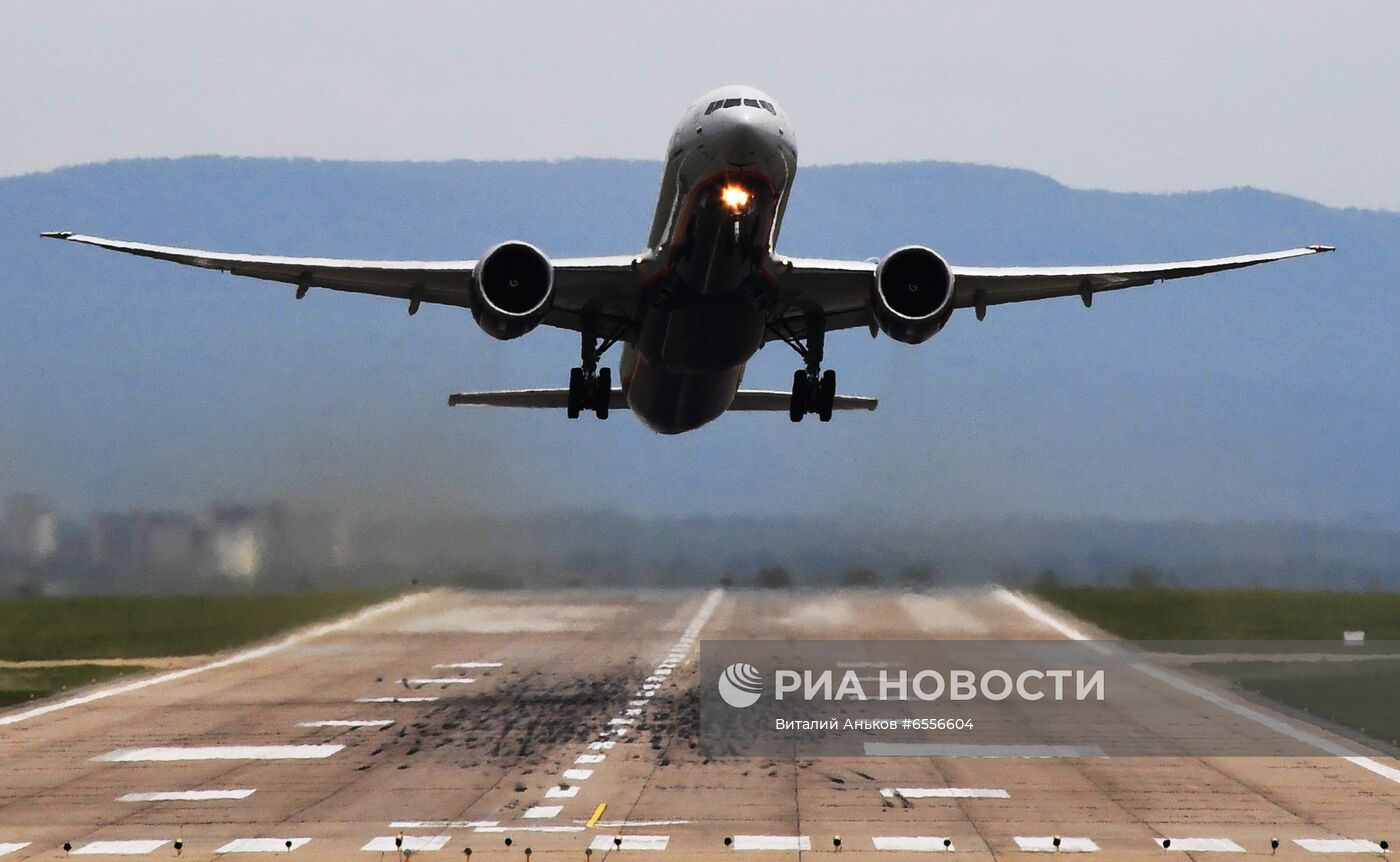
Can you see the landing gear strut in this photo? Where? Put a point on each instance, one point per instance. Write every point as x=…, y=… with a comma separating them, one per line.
x=813, y=390
x=590, y=387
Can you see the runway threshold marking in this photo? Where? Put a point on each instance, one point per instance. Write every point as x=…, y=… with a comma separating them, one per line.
x=577, y=774
x=422, y=699
x=542, y=812
x=772, y=842
x=121, y=848
x=467, y=665
x=1046, y=844
x=441, y=824
x=166, y=754
x=1323, y=744
x=500, y=829
x=229, y=661
x=12, y=847
x=1203, y=845
x=1338, y=845
x=561, y=792
x=186, y=795
x=263, y=845
x=597, y=812
x=442, y=680
x=630, y=842
x=348, y=722
x=911, y=843
x=413, y=843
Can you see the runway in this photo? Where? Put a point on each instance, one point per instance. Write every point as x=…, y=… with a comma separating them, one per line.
x=565, y=721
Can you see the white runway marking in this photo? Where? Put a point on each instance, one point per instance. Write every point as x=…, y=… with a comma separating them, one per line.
x=618, y=721
x=12, y=847
x=577, y=774
x=772, y=842
x=631, y=842
x=467, y=665
x=590, y=758
x=500, y=829
x=441, y=824
x=416, y=843
x=237, y=658
x=634, y=824
x=442, y=680
x=911, y=843
x=220, y=752
x=1322, y=744
x=561, y=793
x=1337, y=845
x=424, y=699
x=542, y=812
x=120, y=848
x=1046, y=844
x=945, y=793
x=348, y=722
x=952, y=749
x=634, y=711
x=262, y=845
x=601, y=746
x=185, y=795
x=1204, y=845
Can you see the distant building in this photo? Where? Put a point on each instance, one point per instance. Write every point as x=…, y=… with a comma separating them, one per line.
x=30, y=528
x=245, y=540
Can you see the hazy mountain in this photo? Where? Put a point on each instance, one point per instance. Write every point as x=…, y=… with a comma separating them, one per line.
x=1252, y=396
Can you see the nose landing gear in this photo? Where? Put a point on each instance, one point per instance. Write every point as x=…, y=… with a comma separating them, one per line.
x=813, y=390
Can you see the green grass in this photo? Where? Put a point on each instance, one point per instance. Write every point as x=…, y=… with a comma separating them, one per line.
x=1183, y=613
x=1361, y=695
x=18, y=685
x=89, y=627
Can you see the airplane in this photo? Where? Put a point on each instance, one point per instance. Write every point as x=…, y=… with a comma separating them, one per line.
x=707, y=292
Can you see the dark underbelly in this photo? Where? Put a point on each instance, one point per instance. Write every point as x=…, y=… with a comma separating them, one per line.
x=673, y=402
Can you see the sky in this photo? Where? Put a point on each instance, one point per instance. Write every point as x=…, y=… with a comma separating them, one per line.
x=1297, y=97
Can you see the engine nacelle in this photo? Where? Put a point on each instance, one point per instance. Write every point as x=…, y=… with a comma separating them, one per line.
x=512, y=289
x=912, y=297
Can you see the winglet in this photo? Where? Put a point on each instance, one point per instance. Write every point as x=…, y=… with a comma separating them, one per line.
x=56, y=234
x=1322, y=248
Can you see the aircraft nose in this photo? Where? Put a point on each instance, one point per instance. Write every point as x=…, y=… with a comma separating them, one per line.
x=743, y=140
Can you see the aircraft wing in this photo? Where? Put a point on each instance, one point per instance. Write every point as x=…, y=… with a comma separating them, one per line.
x=605, y=286
x=840, y=289
x=745, y=400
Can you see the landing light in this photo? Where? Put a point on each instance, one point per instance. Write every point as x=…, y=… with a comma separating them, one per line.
x=735, y=197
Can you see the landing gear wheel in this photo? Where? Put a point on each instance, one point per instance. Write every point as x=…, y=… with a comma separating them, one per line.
x=826, y=396
x=602, y=392
x=576, y=385
x=797, y=407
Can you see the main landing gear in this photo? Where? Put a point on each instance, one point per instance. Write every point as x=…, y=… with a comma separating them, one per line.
x=590, y=387
x=813, y=390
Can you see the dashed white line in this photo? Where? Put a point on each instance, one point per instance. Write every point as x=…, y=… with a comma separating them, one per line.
x=542, y=812
x=237, y=658
x=577, y=774
x=945, y=793
x=630, y=842
x=467, y=665
x=263, y=845
x=1203, y=845
x=1338, y=845
x=120, y=848
x=167, y=754
x=186, y=795
x=499, y=829
x=12, y=847
x=442, y=680
x=422, y=699
x=603, y=745
x=1046, y=844
x=912, y=843
x=772, y=842
x=561, y=793
x=590, y=758
x=348, y=722
x=441, y=824
x=414, y=843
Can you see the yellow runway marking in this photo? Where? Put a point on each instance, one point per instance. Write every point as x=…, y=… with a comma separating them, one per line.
x=597, y=812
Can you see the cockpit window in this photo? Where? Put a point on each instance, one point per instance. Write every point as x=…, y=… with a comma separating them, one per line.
x=768, y=106
x=715, y=105
x=752, y=103
x=732, y=103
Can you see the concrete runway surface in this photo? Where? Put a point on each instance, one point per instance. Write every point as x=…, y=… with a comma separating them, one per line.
x=461, y=720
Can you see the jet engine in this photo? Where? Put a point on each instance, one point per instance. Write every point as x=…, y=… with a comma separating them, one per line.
x=912, y=297
x=512, y=289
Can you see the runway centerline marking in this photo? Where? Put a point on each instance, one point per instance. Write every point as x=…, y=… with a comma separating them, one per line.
x=561, y=793
x=772, y=842
x=442, y=680
x=1046, y=844
x=348, y=722
x=121, y=848
x=945, y=793
x=911, y=843
x=630, y=842
x=12, y=847
x=467, y=665
x=235, y=659
x=590, y=758
x=577, y=774
x=1338, y=845
x=1307, y=738
x=441, y=824
x=185, y=795
x=414, y=843
x=262, y=845
x=422, y=699
x=1203, y=845
x=166, y=754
